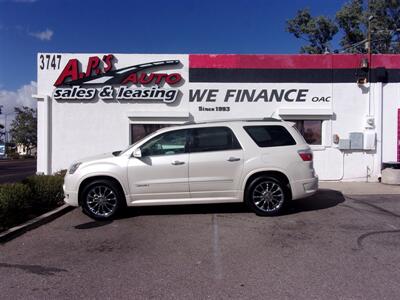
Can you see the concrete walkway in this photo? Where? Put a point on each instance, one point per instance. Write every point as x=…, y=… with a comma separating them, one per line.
x=360, y=188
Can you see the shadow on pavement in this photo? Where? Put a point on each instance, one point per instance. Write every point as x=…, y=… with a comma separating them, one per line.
x=324, y=199
x=92, y=224
x=223, y=208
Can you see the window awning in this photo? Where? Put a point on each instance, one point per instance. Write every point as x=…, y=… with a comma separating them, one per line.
x=158, y=116
x=304, y=113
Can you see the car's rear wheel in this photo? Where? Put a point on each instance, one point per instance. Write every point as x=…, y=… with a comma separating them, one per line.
x=266, y=196
x=102, y=200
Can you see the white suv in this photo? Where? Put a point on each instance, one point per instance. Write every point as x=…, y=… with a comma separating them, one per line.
x=263, y=163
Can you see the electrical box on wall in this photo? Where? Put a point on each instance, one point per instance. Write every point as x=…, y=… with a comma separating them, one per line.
x=356, y=140
x=369, y=140
x=359, y=141
x=344, y=144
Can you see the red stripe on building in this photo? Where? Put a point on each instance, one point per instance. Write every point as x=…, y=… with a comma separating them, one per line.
x=388, y=61
x=298, y=61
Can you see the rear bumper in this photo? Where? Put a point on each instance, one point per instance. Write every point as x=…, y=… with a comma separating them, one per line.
x=304, y=188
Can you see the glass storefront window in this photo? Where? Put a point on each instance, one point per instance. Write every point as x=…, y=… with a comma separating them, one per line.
x=139, y=131
x=310, y=130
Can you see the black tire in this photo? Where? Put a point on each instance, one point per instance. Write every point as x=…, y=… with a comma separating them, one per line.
x=267, y=196
x=108, y=197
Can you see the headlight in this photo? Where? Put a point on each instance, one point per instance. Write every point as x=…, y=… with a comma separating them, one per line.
x=74, y=167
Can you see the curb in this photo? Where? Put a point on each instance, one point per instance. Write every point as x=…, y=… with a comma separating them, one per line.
x=34, y=223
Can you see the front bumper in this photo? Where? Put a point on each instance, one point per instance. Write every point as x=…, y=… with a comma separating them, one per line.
x=70, y=187
x=70, y=197
x=304, y=188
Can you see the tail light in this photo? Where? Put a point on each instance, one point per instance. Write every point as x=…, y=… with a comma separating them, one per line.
x=306, y=155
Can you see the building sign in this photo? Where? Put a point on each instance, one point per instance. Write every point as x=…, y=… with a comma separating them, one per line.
x=252, y=86
x=205, y=86
x=255, y=95
x=101, y=79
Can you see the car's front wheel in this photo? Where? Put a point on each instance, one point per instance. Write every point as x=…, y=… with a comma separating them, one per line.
x=266, y=196
x=101, y=200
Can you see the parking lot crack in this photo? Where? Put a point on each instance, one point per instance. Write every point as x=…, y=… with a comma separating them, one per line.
x=362, y=237
x=376, y=208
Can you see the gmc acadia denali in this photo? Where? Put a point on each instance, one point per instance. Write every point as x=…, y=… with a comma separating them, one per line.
x=263, y=163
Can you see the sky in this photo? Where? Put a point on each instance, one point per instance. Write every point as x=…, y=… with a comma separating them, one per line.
x=97, y=26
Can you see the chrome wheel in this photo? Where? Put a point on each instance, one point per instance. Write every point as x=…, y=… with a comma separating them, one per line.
x=101, y=201
x=268, y=196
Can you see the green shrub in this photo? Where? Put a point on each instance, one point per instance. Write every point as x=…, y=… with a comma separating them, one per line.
x=26, y=156
x=22, y=201
x=46, y=190
x=13, y=155
x=14, y=204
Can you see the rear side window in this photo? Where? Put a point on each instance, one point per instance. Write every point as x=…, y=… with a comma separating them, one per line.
x=213, y=139
x=270, y=136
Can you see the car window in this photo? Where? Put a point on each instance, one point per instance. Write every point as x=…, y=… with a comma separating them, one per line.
x=270, y=136
x=168, y=143
x=213, y=139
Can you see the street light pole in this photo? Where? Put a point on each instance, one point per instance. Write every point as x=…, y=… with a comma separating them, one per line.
x=5, y=129
x=5, y=124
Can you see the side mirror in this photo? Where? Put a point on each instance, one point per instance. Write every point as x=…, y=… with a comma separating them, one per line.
x=137, y=153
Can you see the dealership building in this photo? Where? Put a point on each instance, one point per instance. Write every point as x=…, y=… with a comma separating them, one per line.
x=346, y=106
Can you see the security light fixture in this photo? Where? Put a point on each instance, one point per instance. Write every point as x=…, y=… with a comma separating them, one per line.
x=364, y=64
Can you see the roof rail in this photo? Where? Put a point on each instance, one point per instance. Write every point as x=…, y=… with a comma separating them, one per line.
x=234, y=120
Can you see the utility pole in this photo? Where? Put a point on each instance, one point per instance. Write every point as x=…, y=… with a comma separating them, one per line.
x=369, y=46
x=369, y=35
x=370, y=18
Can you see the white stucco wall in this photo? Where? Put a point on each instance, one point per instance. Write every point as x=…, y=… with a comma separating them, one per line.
x=69, y=130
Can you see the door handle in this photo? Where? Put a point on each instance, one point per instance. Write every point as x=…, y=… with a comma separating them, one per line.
x=177, y=163
x=233, y=158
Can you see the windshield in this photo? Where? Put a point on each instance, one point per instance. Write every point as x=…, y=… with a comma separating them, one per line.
x=132, y=145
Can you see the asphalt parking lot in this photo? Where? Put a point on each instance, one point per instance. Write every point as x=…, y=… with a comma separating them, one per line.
x=326, y=247
x=16, y=170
